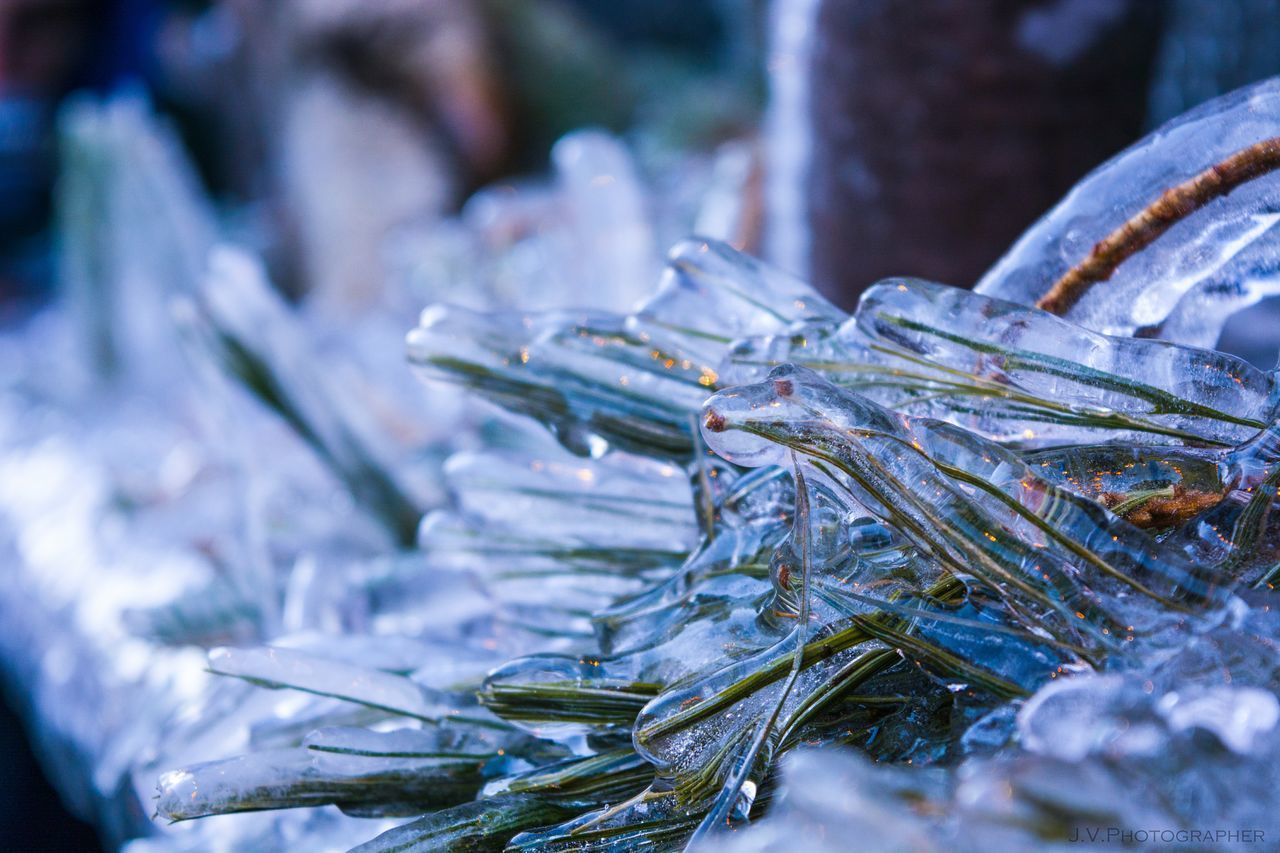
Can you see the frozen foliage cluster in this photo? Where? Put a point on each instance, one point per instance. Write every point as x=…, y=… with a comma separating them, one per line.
x=734, y=567
x=190, y=462
x=1209, y=265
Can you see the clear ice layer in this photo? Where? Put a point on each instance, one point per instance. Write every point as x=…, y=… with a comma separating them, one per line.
x=951, y=572
x=1220, y=259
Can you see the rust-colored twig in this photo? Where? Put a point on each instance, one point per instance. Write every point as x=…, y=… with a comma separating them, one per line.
x=1158, y=217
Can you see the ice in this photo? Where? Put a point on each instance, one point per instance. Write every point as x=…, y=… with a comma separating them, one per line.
x=369, y=774
x=253, y=335
x=599, y=380
x=717, y=722
x=275, y=667
x=1238, y=717
x=1011, y=571
x=610, y=222
x=590, y=235
x=1050, y=721
x=1096, y=755
x=165, y=510
x=971, y=505
x=851, y=797
x=536, y=531
x=323, y=829
x=484, y=823
x=726, y=573
x=136, y=231
x=1018, y=374
x=398, y=771
x=1207, y=266
x=558, y=497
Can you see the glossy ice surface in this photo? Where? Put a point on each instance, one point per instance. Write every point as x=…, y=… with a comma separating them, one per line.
x=729, y=566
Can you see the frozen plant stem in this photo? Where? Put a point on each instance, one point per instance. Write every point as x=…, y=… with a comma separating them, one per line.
x=1173, y=205
x=734, y=794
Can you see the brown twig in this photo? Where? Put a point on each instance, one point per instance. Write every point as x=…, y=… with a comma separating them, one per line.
x=1158, y=217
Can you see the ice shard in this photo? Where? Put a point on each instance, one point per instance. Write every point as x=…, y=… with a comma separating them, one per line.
x=1211, y=260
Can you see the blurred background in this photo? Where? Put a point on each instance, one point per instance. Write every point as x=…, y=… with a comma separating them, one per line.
x=843, y=140
x=891, y=138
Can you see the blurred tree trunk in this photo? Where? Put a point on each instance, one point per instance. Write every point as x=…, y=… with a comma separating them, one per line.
x=940, y=129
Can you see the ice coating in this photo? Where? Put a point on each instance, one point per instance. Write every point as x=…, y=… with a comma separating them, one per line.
x=292, y=778
x=1210, y=395
x=129, y=530
x=255, y=338
x=557, y=496
x=851, y=795
x=600, y=380
x=1018, y=374
x=677, y=628
x=1015, y=531
x=1222, y=681
x=711, y=293
x=585, y=376
x=482, y=823
x=1123, y=750
x=590, y=235
x=1221, y=258
x=749, y=518
x=1238, y=717
x=607, y=202
x=534, y=530
x=713, y=682
x=714, y=734
x=685, y=751
x=537, y=584
x=136, y=230
x=618, y=648
x=290, y=668
x=398, y=772
x=168, y=511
